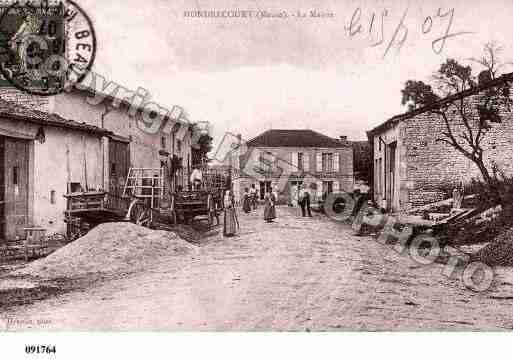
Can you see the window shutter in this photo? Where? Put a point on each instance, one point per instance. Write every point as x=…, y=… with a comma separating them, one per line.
x=319, y=189
x=335, y=186
x=306, y=161
x=336, y=162
x=319, y=162
x=294, y=161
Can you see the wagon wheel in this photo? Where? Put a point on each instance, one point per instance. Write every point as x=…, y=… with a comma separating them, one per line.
x=139, y=214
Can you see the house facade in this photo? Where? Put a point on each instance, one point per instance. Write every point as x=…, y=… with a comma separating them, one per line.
x=285, y=159
x=412, y=167
x=131, y=144
x=51, y=146
x=40, y=156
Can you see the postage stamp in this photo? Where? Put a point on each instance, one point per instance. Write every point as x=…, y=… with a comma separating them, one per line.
x=45, y=46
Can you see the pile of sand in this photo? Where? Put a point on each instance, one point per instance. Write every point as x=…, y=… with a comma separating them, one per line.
x=499, y=252
x=110, y=248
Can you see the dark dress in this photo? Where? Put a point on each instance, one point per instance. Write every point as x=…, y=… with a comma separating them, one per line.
x=305, y=204
x=246, y=203
x=269, y=207
x=230, y=221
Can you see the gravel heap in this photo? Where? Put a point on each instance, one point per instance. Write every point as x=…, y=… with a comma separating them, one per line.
x=499, y=252
x=110, y=248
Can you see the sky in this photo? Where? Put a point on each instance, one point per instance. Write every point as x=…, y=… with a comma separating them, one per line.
x=249, y=75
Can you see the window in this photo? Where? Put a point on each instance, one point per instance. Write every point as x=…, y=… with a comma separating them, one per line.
x=163, y=142
x=327, y=162
x=75, y=187
x=15, y=175
x=265, y=161
x=300, y=161
x=179, y=145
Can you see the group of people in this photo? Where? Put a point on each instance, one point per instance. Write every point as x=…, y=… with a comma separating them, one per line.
x=249, y=203
x=303, y=198
x=250, y=199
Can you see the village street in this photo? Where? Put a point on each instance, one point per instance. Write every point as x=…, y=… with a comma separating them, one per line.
x=294, y=274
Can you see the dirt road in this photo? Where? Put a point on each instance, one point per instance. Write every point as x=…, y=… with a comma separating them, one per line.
x=294, y=274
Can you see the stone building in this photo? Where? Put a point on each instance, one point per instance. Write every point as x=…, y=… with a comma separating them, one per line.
x=288, y=158
x=412, y=167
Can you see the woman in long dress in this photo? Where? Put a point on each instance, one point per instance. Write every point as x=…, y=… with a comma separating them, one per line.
x=294, y=198
x=230, y=219
x=246, y=201
x=269, y=207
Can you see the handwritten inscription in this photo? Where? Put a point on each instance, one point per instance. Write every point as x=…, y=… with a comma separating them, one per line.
x=385, y=28
x=379, y=25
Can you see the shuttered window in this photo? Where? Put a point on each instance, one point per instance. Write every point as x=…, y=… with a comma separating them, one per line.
x=294, y=161
x=319, y=162
x=327, y=162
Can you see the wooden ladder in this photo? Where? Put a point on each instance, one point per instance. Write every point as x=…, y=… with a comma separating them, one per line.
x=136, y=184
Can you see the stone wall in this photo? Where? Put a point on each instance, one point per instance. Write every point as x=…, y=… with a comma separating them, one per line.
x=433, y=166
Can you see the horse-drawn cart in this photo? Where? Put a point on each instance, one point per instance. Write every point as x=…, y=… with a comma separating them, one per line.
x=189, y=205
x=205, y=202
x=147, y=200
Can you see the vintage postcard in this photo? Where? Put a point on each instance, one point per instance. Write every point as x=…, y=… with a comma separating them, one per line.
x=255, y=165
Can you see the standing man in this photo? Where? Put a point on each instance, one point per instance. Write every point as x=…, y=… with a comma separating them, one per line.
x=253, y=194
x=275, y=193
x=305, y=202
x=196, y=178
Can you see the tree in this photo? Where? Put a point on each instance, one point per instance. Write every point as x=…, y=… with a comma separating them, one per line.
x=202, y=147
x=417, y=94
x=470, y=122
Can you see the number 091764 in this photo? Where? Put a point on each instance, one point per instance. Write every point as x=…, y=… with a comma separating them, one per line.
x=40, y=349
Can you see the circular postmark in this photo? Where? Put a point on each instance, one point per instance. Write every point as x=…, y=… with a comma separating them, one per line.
x=45, y=46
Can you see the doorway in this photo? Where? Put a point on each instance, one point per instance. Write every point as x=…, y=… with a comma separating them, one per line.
x=265, y=186
x=327, y=187
x=119, y=163
x=391, y=175
x=14, y=182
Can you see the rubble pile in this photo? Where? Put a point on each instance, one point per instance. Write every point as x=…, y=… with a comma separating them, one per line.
x=109, y=248
x=499, y=252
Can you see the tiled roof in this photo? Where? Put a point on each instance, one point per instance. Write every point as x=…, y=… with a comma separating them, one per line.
x=18, y=112
x=295, y=138
x=506, y=78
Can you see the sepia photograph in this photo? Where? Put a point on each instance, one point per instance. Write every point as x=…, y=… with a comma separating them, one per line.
x=255, y=166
